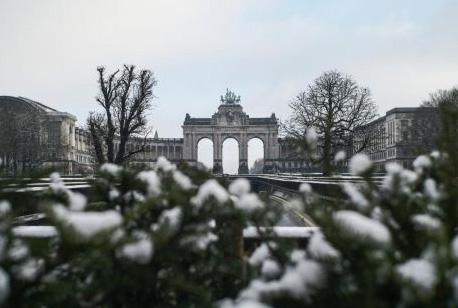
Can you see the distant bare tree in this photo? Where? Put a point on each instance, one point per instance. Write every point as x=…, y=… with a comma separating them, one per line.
x=258, y=166
x=335, y=106
x=125, y=97
x=25, y=144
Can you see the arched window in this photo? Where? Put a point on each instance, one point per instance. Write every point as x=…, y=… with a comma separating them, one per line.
x=230, y=156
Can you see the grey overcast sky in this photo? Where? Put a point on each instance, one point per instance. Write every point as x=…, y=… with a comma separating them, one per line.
x=264, y=50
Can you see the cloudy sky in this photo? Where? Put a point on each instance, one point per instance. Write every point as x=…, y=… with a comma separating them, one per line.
x=264, y=50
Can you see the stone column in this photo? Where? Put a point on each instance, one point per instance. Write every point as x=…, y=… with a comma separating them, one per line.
x=217, y=154
x=243, y=154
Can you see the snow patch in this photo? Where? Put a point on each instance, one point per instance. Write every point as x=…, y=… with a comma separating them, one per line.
x=297, y=281
x=18, y=251
x=172, y=217
x=34, y=231
x=305, y=188
x=28, y=270
x=152, y=180
x=240, y=187
x=88, y=224
x=259, y=255
x=426, y=221
x=139, y=252
x=288, y=232
x=340, y=156
x=249, y=203
x=4, y=285
x=431, y=190
x=113, y=194
x=355, y=195
x=359, y=164
x=418, y=271
x=164, y=165
x=422, y=162
x=244, y=304
x=77, y=202
x=210, y=188
x=111, y=169
x=56, y=185
x=362, y=226
x=455, y=247
x=270, y=268
x=182, y=180
x=5, y=208
x=318, y=247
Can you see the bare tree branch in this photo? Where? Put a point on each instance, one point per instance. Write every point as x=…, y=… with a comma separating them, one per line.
x=335, y=106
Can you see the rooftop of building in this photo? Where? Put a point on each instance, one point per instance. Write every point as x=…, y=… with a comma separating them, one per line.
x=36, y=105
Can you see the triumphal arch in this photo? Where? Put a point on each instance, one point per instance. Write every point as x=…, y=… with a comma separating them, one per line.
x=231, y=122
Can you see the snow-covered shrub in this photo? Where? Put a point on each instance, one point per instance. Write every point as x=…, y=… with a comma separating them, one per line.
x=151, y=238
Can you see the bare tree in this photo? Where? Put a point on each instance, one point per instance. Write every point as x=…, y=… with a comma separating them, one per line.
x=125, y=97
x=25, y=143
x=258, y=166
x=335, y=106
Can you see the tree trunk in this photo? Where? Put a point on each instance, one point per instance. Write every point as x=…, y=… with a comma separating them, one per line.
x=326, y=164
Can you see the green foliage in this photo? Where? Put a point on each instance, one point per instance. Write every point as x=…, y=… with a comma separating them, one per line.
x=150, y=238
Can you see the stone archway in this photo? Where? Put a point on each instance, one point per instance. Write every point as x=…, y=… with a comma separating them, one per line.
x=230, y=121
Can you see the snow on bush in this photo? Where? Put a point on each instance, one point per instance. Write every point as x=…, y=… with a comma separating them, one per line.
x=239, y=187
x=340, y=156
x=111, y=169
x=34, y=231
x=426, y=221
x=398, y=178
x=270, y=268
x=77, y=201
x=355, y=195
x=172, y=218
x=5, y=208
x=249, y=203
x=152, y=180
x=28, y=270
x=242, y=304
x=56, y=185
x=18, y=251
x=422, y=162
x=200, y=241
x=318, y=247
x=210, y=188
x=431, y=190
x=305, y=188
x=298, y=281
x=182, y=180
x=164, y=165
x=259, y=255
x=421, y=272
x=140, y=251
x=361, y=226
x=4, y=285
x=360, y=164
x=88, y=224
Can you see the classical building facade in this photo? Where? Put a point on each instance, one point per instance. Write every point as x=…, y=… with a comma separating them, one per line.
x=231, y=122
x=401, y=135
x=33, y=134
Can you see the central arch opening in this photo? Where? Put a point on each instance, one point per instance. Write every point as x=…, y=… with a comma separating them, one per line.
x=205, y=154
x=255, y=156
x=230, y=156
